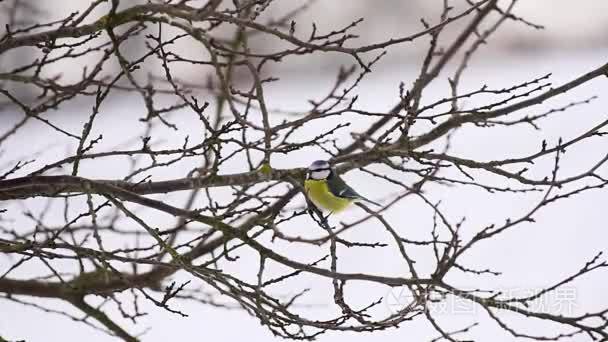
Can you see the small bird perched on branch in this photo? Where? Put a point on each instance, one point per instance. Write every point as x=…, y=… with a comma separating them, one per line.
x=327, y=190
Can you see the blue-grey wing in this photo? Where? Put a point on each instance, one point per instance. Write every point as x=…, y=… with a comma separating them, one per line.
x=340, y=189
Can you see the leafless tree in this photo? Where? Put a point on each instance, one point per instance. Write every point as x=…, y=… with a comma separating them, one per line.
x=108, y=252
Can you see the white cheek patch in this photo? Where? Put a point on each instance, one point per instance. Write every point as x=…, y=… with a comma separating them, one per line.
x=321, y=174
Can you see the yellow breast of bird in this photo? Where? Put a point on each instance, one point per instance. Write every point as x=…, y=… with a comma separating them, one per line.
x=318, y=192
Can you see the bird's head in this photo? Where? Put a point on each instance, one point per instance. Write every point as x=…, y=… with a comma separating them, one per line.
x=319, y=170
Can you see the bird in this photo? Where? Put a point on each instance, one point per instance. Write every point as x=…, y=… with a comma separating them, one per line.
x=327, y=191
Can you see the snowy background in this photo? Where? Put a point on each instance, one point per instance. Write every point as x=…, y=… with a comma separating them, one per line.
x=530, y=257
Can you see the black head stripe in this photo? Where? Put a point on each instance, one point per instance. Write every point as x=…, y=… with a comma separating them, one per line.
x=311, y=171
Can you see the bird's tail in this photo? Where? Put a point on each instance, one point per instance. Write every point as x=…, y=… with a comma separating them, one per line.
x=370, y=201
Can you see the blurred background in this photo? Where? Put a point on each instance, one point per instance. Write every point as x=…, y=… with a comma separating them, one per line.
x=569, y=26
x=573, y=41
